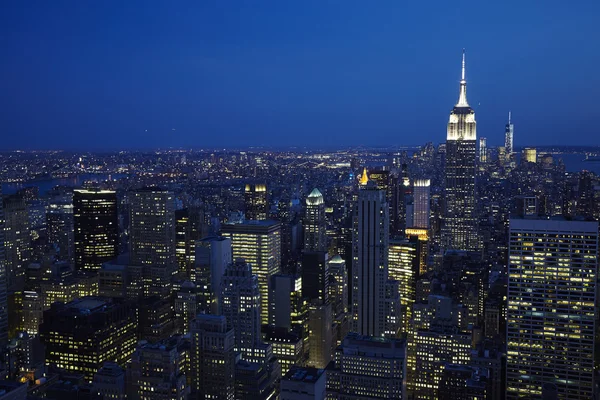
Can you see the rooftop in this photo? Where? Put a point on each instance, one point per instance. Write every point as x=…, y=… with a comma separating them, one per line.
x=300, y=374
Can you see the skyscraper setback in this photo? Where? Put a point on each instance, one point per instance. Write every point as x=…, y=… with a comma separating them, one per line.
x=460, y=222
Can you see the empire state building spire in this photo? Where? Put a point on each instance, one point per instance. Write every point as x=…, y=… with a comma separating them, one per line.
x=462, y=98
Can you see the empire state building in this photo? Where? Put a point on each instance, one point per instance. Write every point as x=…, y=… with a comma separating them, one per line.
x=460, y=222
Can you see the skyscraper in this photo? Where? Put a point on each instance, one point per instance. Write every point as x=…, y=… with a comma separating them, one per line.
x=152, y=228
x=421, y=206
x=213, y=255
x=240, y=304
x=314, y=223
x=460, y=222
x=259, y=244
x=508, y=136
x=483, y=150
x=256, y=201
x=404, y=267
x=370, y=259
x=60, y=226
x=551, y=306
x=213, y=358
x=96, y=227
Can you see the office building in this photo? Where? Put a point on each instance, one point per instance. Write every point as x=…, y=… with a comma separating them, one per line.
x=421, y=206
x=96, y=227
x=315, y=238
x=367, y=367
x=256, y=201
x=320, y=337
x=338, y=285
x=315, y=276
x=463, y=382
x=259, y=244
x=551, y=322
x=370, y=244
x=460, y=220
x=109, y=382
x=529, y=155
x=213, y=358
x=60, y=226
x=288, y=347
x=287, y=305
x=404, y=267
x=509, y=136
x=157, y=371
x=81, y=335
x=212, y=256
x=240, y=304
x=303, y=384
x=17, y=241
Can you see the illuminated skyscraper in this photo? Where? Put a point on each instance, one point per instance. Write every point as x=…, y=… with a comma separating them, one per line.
x=370, y=259
x=404, y=267
x=460, y=222
x=213, y=255
x=60, y=226
x=257, y=202
x=240, y=304
x=483, y=156
x=421, y=206
x=152, y=228
x=314, y=223
x=213, y=358
x=79, y=336
x=96, y=227
x=508, y=136
x=259, y=244
x=529, y=155
x=551, y=306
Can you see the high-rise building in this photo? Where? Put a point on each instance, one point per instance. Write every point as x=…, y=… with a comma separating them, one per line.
x=96, y=227
x=79, y=336
x=367, y=367
x=314, y=223
x=320, y=335
x=60, y=226
x=483, y=151
x=213, y=358
x=17, y=240
x=259, y=244
x=213, y=255
x=157, y=370
x=338, y=286
x=370, y=259
x=508, y=136
x=152, y=228
x=460, y=221
x=286, y=303
x=240, y=304
x=152, y=238
x=404, y=267
x=3, y=285
x=551, y=306
x=256, y=200
x=529, y=155
x=421, y=205
x=315, y=276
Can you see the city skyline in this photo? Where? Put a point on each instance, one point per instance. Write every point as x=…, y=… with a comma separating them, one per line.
x=222, y=76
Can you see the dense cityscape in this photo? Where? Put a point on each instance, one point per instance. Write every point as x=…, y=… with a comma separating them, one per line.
x=457, y=270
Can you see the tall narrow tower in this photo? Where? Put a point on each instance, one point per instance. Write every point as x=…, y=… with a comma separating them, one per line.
x=508, y=136
x=460, y=223
x=370, y=259
x=314, y=222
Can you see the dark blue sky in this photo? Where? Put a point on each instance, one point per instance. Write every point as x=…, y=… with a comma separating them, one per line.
x=138, y=74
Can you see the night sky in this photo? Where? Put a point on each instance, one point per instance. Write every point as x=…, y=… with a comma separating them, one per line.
x=140, y=74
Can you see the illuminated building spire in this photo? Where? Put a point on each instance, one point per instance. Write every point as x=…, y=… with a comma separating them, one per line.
x=364, y=178
x=462, y=98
